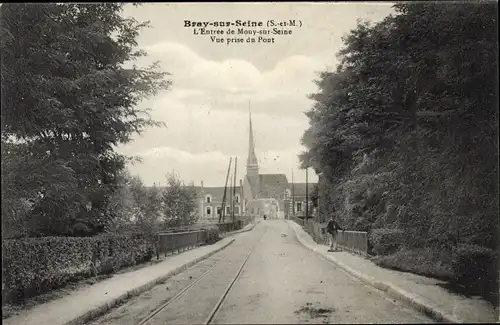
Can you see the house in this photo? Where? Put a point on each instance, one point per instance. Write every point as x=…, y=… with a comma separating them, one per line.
x=297, y=199
x=210, y=202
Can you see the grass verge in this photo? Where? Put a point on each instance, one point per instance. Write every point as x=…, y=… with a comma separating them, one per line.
x=426, y=262
x=434, y=264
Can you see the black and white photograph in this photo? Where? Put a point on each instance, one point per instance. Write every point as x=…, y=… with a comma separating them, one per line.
x=250, y=163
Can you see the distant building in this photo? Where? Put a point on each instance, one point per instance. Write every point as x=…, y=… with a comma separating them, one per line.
x=210, y=203
x=297, y=197
x=257, y=194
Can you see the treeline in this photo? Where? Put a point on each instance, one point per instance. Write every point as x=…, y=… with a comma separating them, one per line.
x=135, y=214
x=149, y=209
x=404, y=134
x=70, y=95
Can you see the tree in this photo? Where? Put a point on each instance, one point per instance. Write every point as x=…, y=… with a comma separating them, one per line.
x=408, y=119
x=70, y=93
x=135, y=207
x=24, y=172
x=179, y=203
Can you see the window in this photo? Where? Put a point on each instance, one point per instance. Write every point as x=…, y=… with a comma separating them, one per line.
x=237, y=199
x=228, y=210
x=236, y=210
x=219, y=210
x=298, y=206
x=209, y=211
x=208, y=199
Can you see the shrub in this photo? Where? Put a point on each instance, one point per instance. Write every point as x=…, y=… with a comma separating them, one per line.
x=212, y=236
x=476, y=268
x=36, y=265
x=385, y=241
x=423, y=261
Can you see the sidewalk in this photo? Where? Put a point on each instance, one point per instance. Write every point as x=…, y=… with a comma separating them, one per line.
x=84, y=304
x=420, y=292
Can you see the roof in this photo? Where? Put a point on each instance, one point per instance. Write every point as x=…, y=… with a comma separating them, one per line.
x=299, y=189
x=272, y=185
x=217, y=192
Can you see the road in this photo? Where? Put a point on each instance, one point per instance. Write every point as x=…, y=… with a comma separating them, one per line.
x=281, y=282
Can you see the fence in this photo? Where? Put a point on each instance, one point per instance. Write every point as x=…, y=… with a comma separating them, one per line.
x=190, y=228
x=227, y=227
x=247, y=220
x=222, y=227
x=354, y=241
x=179, y=241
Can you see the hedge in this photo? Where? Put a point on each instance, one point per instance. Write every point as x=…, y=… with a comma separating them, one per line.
x=385, y=241
x=423, y=261
x=36, y=265
x=213, y=236
x=476, y=268
x=473, y=268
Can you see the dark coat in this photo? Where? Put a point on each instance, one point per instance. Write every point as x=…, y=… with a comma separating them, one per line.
x=332, y=227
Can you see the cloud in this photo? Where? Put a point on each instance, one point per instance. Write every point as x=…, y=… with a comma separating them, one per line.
x=206, y=110
x=182, y=156
x=198, y=129
x=232, y=83
x=206, y=113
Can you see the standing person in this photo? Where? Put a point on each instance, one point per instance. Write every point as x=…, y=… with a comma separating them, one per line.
x=332, y=229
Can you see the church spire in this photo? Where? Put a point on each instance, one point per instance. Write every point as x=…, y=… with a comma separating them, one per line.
x=252, y=163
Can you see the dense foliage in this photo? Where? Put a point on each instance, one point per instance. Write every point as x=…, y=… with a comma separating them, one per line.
x=136, y=207
x=404, y=131
x=179, y=202
x=70, y=92
x=36, y=265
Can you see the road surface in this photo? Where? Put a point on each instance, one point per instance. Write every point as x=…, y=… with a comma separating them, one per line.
x=281, y=282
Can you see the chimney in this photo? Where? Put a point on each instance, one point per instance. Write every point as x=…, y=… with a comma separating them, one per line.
x=201, y=183
x=241, y=183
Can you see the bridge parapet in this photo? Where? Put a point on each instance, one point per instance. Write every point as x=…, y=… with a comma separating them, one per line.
x=353, y=241
x=170, y=242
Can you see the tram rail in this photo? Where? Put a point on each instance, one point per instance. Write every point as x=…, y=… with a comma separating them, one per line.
x=186, y=289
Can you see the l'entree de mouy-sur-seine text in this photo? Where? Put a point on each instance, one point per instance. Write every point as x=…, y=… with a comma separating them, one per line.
x=243, y=31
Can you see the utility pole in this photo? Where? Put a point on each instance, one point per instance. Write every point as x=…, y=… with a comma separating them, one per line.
x=224, y=196
x=234, y=188
x=230, y=197
x=293, y=196
x=307, y=196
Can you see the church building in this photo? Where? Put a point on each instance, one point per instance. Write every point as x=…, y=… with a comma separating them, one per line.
x=256, y=195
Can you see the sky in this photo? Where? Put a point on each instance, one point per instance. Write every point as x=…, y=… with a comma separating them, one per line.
x=214, y=85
